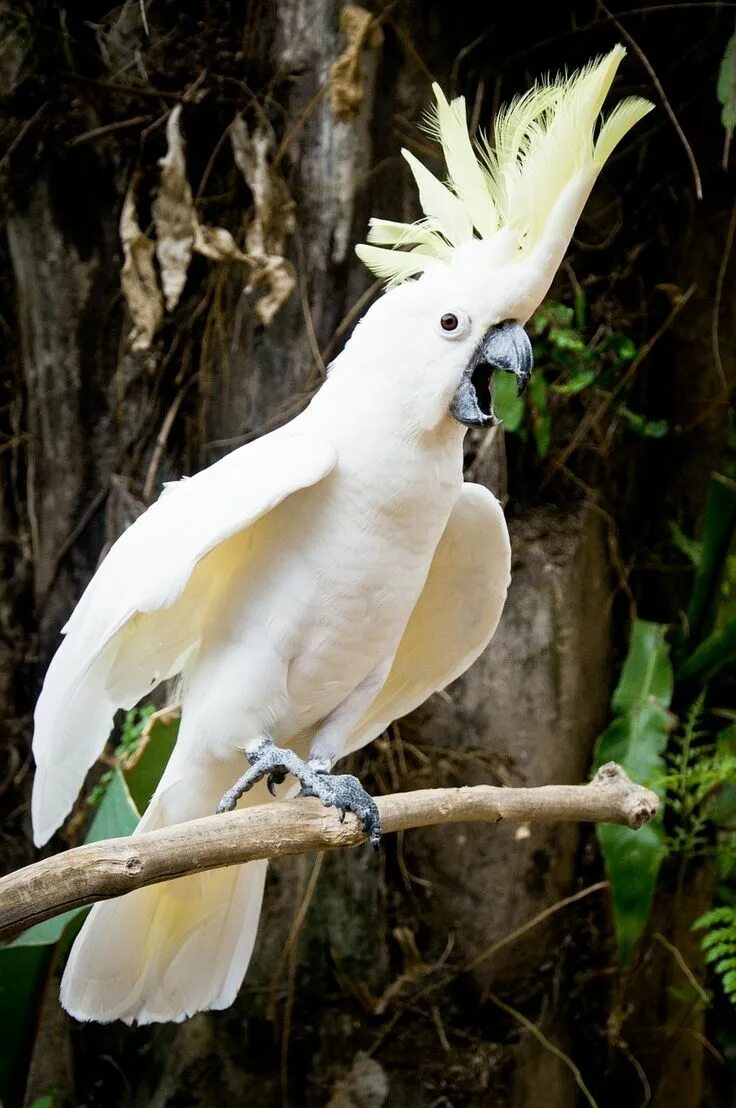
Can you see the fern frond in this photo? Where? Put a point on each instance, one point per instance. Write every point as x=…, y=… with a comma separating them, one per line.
x=719, y=945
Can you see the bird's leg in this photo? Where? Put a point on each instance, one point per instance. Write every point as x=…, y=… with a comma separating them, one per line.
x=341, y=791
x=328, y=744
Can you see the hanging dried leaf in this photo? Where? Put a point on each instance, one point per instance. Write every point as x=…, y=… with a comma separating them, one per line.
x=346, y=78
x=273, y=218
x=138, y=275
x=173, y=215
x=218, y=244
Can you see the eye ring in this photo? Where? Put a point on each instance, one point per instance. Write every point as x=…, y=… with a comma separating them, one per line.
x=453, y=325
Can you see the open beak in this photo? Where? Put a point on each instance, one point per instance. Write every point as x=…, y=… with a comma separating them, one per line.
x=505, y=346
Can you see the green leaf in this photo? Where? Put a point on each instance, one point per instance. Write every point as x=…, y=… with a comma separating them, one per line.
x=647, y=673
x=508, y=406
x=117, y=817
x=713, y=655
x=22, y=978
x=718, y=535
x=541, y=422
x=576, y=384
x=636, y=739
x=144, y=774
x=632, y=859
x=565, y=338
x=24, y=963
x=620, y=345
x=726, y=87
x=48, y=932
x=637, y=742
x=647, y=428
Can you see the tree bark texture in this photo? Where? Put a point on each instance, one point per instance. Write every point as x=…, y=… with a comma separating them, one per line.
x=335, y=1010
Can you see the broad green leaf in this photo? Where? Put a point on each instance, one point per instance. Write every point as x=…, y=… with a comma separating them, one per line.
x=646, y=677
x=22, y=978
x=633, y=859
x=24, y=963
x=117, y=817
x=726, y=87
x=144, y=773
x=48, y=932
x=636, y=739
x=508, y=406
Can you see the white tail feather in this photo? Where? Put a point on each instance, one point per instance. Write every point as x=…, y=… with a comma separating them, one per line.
x=167, y=951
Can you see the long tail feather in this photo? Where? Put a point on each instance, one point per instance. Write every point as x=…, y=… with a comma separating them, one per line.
x=167, y=951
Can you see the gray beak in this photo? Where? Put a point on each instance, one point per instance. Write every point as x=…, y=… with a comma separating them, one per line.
x=505, y=346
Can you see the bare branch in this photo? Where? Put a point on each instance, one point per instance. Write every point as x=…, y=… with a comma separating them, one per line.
x=113, y=867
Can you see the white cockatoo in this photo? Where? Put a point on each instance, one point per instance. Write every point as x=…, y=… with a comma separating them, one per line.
x=324, y=580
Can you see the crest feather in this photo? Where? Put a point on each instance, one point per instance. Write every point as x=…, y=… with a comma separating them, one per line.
x=541, y=142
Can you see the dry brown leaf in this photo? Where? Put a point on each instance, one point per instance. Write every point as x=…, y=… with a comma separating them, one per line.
x=273, y=219
x=173, y=215
x=346, y=78
x=218, y=244
x=138, y=275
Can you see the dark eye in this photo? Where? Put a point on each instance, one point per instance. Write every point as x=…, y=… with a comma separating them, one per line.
x=453, y=325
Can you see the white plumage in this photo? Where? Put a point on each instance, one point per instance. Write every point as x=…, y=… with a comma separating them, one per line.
x=544, y=148
x=324, y=580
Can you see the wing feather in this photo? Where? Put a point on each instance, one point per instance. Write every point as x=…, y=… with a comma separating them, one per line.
x=139, y=616
x=456, y=615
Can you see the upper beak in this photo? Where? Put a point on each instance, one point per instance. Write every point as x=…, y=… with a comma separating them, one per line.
x=505, y=346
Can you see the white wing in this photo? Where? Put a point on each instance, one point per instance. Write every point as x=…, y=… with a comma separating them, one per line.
x=456, y=615
x=139, y=617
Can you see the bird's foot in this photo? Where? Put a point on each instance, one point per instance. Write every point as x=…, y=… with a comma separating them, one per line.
x=341, y=791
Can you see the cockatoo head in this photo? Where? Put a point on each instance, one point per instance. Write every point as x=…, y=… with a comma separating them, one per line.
x=464, y=279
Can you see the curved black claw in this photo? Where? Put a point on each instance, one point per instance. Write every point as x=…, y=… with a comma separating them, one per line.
x=276, y=778
x=341, y=791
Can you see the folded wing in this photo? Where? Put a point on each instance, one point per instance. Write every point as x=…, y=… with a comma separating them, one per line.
x=456, y=615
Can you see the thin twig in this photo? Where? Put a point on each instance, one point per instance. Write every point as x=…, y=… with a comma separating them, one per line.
x=715, y=318
x=550, y=1046
x=99, y=871
x=676, y=954
x=108, y=128
x=663, y=96
x=161, y=440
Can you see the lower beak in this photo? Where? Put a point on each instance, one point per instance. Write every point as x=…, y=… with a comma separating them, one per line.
x=505, y=346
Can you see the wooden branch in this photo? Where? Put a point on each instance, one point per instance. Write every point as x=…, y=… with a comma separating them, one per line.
x=113, y=867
